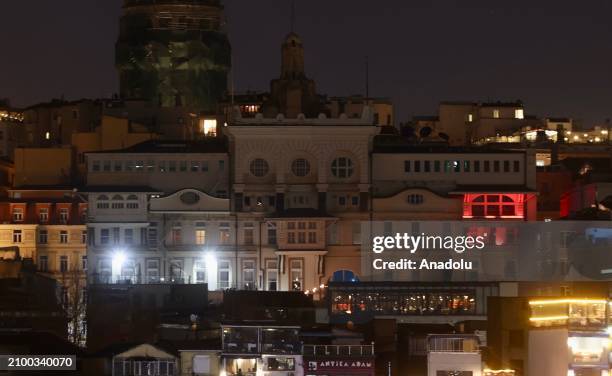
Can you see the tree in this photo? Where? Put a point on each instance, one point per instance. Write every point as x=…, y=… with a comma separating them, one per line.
x=73, y=296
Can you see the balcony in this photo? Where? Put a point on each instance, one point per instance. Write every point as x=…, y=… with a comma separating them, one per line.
x=254, y=341
x=453, y=344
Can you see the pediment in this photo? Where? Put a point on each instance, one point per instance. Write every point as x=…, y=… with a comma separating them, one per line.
x=189, y=200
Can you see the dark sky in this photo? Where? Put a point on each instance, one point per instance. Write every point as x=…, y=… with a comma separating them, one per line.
x=554, y=55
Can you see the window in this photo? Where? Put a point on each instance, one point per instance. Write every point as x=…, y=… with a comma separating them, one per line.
x=466, y=166
x=161, y=166
x=259, y=167
x=195, y=166
x=427, y=166
x=102, y=202
x=248, y=274
x=342, y=167
x=95, y=166
x=116, y=235
x=221, y=165
x=407, y=166
x=517, y=166
x=152, y=270
x=84, y=236
x=271, y=233
x=457, y=166
x=417, y=166
x=224, y=274
x=129, y=166
x=476, y=166
x=63, y=215
x=470, y=118
x=355, y=200
x=302, y=232
x=199, y=270
x=519, y=113
x=43, y=236
x=205, y=166
x=172, y=166
x=271, y=275
x=177, y=236
x=106, y=166
x=104, y=236
x=200, y=236
x=436, y=166
x=493, y=206
x=300, y=167
x=496, y=113
x=63, y=237
x=84, y=262
x=224, y=233
x=152, y=235
x=183, y=166
x=248, y=233
x=132, y=202
x=43, y=215
x=506, y=166
x=118, y=166
x=495, y=166
x=296, y=274
x=43, y=263
x=16, y=236
x=63, y=264
x=415, y=199
x=128, y=236
x=487, y=166
x=17, y=214
x=342, y=200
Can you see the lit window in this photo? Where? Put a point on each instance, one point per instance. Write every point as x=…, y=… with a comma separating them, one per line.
x=200, y=237
x=496, y=114
x=519, y=113
x=47, y=136
x=208, y=127
x=470, y=118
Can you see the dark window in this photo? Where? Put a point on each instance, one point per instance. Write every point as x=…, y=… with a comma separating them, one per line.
x=427, y=166
x=495, y=166
x=417, y=166
x=436, y=166
x=517, y=166
x=487, y=166
x=406, y=166
x=506, y=166
x=476, y=166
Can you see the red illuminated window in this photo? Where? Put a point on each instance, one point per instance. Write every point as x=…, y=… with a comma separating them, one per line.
x=493, y=205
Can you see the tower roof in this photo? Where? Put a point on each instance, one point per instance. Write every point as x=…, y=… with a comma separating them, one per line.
x=293, y=38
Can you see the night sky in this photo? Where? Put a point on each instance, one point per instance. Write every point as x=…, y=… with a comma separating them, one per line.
x=554, y=55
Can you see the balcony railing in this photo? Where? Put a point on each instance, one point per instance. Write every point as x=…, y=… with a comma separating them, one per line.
x=453, y=344
x=107, y=279
x=339, y=350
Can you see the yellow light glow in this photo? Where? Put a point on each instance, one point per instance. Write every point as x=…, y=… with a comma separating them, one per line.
x=496, y=371
x=549, y=318
x=561, y=301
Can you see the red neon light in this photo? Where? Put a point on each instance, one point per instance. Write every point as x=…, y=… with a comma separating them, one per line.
x=481, y=205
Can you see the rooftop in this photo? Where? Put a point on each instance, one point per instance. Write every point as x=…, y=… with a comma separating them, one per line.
x=211, y=145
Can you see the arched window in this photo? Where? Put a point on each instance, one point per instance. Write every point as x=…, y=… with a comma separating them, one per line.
x=493, y=206
x=342, y=167
x=300, y=167
x=132, y=202
x=259, y=167
x=102, y=202
x=117, y=202
x=344, y=276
